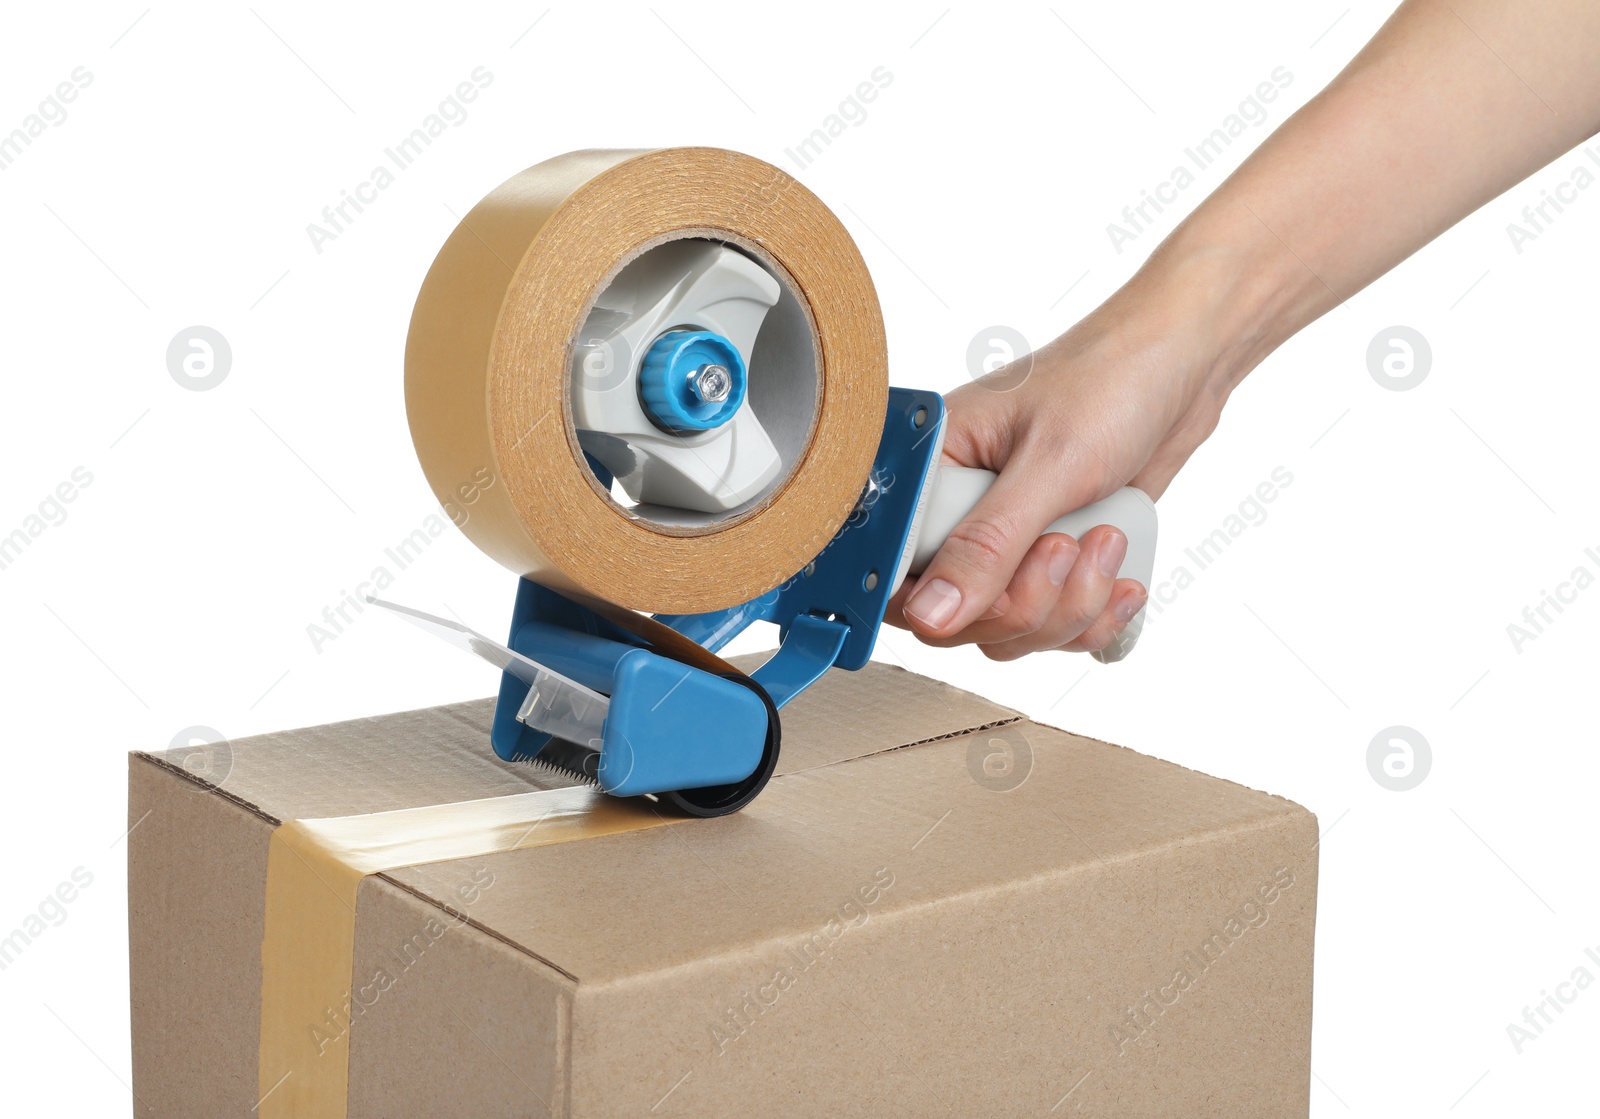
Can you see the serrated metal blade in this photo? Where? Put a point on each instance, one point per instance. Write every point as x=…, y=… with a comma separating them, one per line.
x=568, y=759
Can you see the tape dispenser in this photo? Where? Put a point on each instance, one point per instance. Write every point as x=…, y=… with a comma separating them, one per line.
x=685, y=369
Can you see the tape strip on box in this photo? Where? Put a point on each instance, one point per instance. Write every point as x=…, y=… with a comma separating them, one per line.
x=314, y=870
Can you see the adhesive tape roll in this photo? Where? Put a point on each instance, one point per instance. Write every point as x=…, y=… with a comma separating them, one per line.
x=489, y=375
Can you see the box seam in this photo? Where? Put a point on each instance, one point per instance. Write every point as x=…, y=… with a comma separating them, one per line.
x=932, y=738
x=178, y=770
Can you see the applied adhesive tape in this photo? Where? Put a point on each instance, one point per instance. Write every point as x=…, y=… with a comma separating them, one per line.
x=314, y=872
x=489, y=359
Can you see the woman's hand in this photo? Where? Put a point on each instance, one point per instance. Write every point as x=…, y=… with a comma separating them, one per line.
x=1446, y=107
x=1106, y=405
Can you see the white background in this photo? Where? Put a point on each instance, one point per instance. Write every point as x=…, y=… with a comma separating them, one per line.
x=219, y=524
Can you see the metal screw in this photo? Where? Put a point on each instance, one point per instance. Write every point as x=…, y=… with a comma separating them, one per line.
x=712, y=383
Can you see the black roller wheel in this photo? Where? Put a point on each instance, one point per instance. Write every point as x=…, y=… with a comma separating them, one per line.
x=720, y=800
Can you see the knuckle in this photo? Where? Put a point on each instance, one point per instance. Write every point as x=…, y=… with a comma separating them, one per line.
x=1080, y=619
x=1096, y=637
x=1027, y=615
x=982, y=544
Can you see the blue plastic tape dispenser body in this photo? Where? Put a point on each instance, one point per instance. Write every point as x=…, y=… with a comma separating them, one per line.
x=692, y=414
x=706, y=743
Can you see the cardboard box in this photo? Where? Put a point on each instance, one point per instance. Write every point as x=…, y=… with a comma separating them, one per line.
x=935, y=907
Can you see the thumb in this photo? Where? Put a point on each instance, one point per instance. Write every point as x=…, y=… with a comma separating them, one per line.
x=975, y=564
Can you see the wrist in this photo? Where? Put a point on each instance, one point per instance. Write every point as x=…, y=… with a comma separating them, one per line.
x=1230, y=290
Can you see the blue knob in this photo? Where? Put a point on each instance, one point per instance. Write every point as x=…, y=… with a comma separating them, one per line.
x=691, y=380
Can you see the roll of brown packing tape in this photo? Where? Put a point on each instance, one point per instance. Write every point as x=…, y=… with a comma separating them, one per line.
x=489, y=370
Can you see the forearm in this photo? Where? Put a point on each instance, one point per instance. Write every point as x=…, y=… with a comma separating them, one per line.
x=1448, y=106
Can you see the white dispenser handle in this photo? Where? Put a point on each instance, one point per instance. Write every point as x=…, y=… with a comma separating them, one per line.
x=955, y=491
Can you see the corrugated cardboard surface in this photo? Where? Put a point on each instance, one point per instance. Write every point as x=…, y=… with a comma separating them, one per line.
x=880, y=933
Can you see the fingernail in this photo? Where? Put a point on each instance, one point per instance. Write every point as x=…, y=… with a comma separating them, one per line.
x=1062, y=557
x=1129, y=606
x=1113, y=546
x=934, y=603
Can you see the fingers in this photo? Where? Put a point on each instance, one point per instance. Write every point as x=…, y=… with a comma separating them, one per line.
x=1083, y=599
x=1127, y=599
x=978, y=561
x=1028, y=601
x=1062, y=597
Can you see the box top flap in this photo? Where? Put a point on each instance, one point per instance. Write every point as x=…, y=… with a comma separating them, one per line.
x=441, y=755
x=922, y=819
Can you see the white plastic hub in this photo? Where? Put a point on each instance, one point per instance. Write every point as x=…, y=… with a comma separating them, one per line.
x=693, y=284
